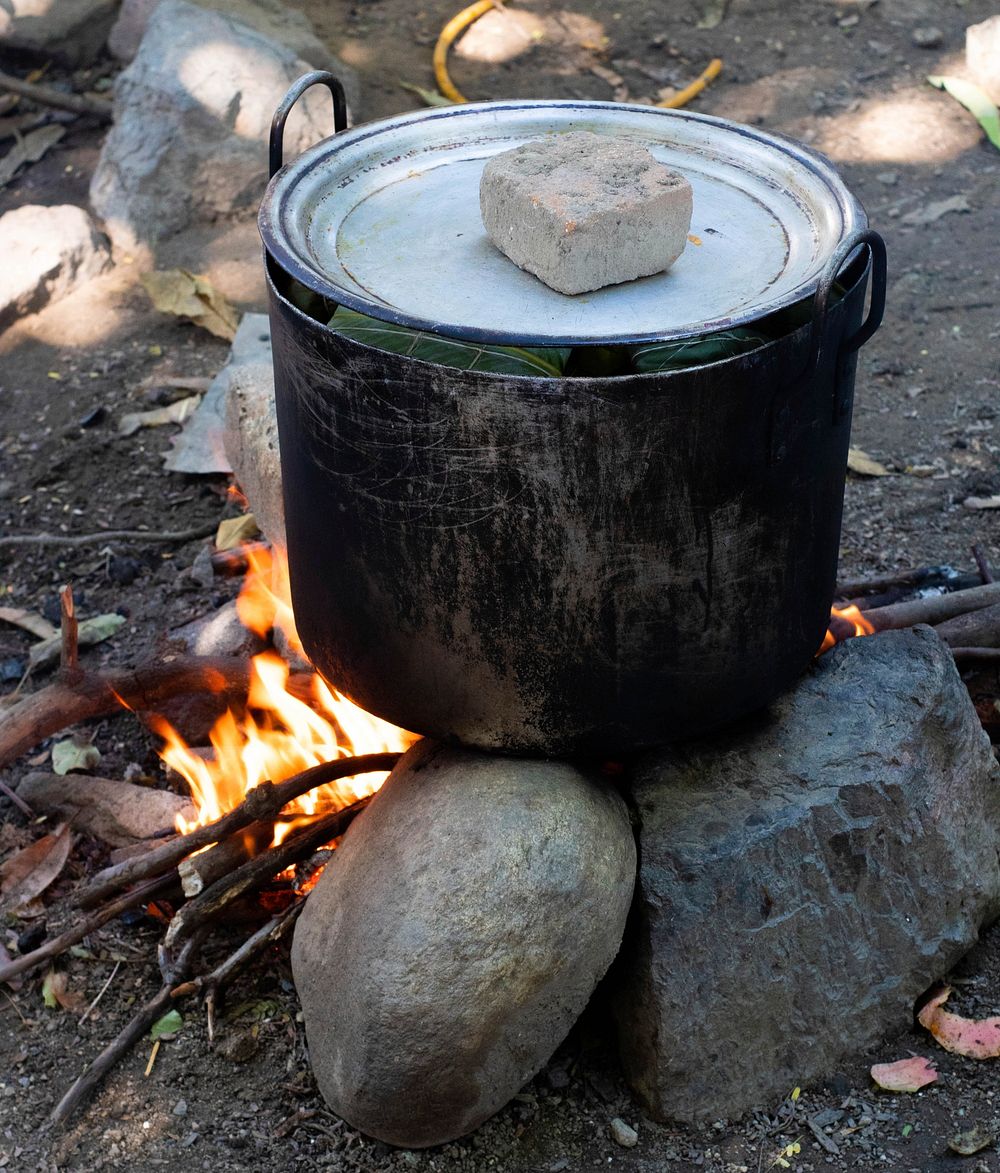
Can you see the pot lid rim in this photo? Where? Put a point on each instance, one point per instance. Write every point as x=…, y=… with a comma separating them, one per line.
x=278, y=247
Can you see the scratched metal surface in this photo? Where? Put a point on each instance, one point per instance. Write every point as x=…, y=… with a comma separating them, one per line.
x=385, y=218
x=560, y=565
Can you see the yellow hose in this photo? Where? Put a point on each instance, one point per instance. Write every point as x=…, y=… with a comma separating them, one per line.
x=470, y=15
x=444, y=42
x=682, y=97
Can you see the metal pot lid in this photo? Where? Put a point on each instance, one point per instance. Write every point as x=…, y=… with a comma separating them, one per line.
x=384, y=218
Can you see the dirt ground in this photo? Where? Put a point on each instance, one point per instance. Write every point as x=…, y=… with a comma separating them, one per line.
x=844, y=76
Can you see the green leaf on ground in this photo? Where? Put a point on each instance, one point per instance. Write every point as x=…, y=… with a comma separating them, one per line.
x=975, y=101
x=167, y=1026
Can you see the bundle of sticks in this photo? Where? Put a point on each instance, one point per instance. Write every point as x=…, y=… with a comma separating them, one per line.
x=204, y=873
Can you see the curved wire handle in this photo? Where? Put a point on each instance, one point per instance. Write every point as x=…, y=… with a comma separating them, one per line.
x=319, y=77
x=821, y=300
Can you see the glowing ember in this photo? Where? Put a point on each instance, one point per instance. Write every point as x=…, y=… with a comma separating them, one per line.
x=284, y=731
x=845, y=623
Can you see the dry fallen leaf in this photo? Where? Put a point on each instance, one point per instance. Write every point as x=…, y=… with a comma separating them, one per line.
x=974, y=1038
x=175, y=413
x=28, y=621
x=235, y=530
x=865, y=465
x=905, y=1075
x=176, y=291
x=55, y=992
x=89, y=632
x=74, y=753
x=972, y=1141
x=28, y=149
x=26, y=875
x=982, y=502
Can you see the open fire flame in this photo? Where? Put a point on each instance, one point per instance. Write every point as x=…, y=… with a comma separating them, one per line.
x=287, y=727
x=845, y=623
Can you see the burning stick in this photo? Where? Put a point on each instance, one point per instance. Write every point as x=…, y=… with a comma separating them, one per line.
x=198, y=871
x=264, y=801
x=97, y=694
x=218, y=896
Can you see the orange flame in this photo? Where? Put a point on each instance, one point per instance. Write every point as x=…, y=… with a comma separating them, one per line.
x=854, y=617
x=283, y=731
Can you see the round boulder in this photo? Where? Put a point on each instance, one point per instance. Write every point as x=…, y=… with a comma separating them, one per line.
x=456, y=936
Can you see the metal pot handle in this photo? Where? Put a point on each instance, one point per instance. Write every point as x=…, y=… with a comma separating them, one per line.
x=319, y=77
x=821, y=300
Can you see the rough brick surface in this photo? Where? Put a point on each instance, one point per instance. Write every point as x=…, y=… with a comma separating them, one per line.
x=982, y=55
x=804, y=878
x=583, y=210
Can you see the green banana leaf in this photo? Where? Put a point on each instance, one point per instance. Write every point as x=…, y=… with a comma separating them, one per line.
x=690, y=352
x=975, y=101
x=449, y=352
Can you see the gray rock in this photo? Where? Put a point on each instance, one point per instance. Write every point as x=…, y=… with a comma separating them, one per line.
x=982, y=55
x=927, y=37
x=192, y=116
x=270, y=18
x=623, y=1134
x=582, y=210
x=117, y=812
x=202, y=445
x=47, y=252
x=457, y=935
x=805, y=877
x=74, y=31
x=219, y=634
x=252, y=446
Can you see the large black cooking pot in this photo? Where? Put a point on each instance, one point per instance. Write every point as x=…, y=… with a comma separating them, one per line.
x=575, y=564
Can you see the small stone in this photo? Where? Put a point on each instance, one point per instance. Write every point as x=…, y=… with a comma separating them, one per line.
x=473, y=908
x=582, y=210
x=889, y=178
x=180, y=1108
x=623, y=1134
x=982, y=55
x=47, y=253
x=927, y=37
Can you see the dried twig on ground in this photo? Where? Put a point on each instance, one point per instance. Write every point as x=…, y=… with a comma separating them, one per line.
x=111, y=535
x=978, y=629
x=262, y=802
x=155, y=1008
x=976, y=655
x=69, y=655
x=982, y=565
x=214, y=982
x=47, y=96
x=96, y=694
x=73, y=935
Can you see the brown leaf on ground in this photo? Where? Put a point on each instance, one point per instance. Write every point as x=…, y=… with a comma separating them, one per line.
x=175, y=413
x=28, y=621
x=905, y=1075
x=234, y=531
x=26, y=875
x=55, y=992
x=974, y=1038
x=864, y=465
x=28, y=149
x=176, y=291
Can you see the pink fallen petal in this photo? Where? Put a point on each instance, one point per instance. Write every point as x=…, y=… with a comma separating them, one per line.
x=905, y=1075
x=974, y=1038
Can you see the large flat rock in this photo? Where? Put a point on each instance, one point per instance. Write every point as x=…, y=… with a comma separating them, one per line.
x=805, y=877
x=456, y=935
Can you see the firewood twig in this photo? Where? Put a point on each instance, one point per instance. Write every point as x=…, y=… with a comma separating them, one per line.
x=69, y=655
x=217, y=897
x=262, y=802
x=936, y=609
x=982, y=565
x=974, y=629
x=96, y=694
x=214, y=982
x=47, y=96
x=111, y=535
x=73, y=935
x=155, y=1008
x=977, y=655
